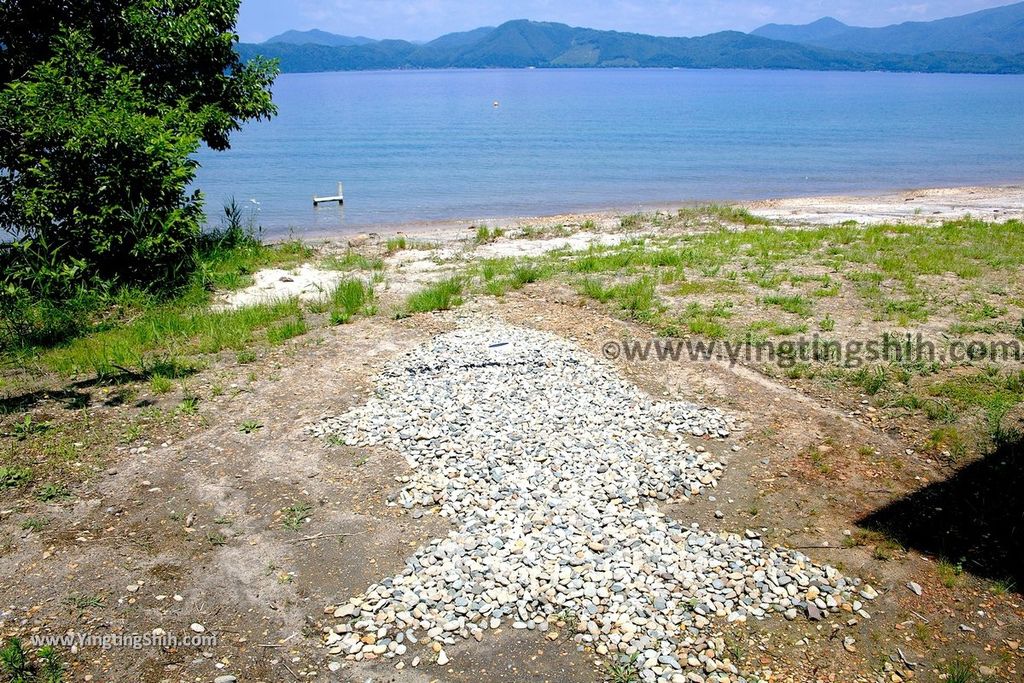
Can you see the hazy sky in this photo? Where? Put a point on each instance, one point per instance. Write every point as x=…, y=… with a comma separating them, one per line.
x=427, y=19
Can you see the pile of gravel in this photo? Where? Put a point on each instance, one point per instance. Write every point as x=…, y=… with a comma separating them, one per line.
x=550, y=466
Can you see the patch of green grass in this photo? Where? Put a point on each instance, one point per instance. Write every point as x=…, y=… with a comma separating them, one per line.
x=637, y=298
x=977, y=310
x=28, y=427
x=730, y=214
x=938, y=410
x=961, y=669
x=245, y=357
x=493, y=268
x=947, y=438
x=949, y=573
x=440, y=296
x=904, y=311
x=82, y=601
x=164, y=330
x=289, y=329
x=795, y=304
x=690, y=288
x=350, y=298
x=51, y=492
x=991, y=393
x=13, y=476
x=160, y=385
x=632, y=221
x=352, y=260
x=133, y=433
x=527, y=273
x=701, y=320
x=502, y=275
x=485, y=235
x=189, y=404
x=961, y=329
x=396, y=244
x=51, y=666
x=819, y=459
x=871, y=379
x=623, y=670
x=34, y=524
x=229, y=264
x=595, y=289
x=15, y=663
x=801, y=370
x=250, y=426
x=216, y=539
x=295, y=515
x=828, y=288
x=827, y=324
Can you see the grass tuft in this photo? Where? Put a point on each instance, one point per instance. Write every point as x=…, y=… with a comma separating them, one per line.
x=349, y=299
x=12, y=477
x=440, y=296
x=280, y=333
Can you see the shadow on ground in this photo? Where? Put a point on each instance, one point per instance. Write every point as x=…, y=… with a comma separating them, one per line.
x=975, y=517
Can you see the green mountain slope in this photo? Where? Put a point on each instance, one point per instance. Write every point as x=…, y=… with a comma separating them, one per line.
x=997, y=31
x=318, y=37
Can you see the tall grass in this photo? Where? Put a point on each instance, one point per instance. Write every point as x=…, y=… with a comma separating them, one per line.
x=350, y=298
x=440, y=296
x=164, y=330
x=730, y=214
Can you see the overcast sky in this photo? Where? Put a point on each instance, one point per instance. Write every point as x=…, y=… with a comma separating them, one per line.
x=427, y=19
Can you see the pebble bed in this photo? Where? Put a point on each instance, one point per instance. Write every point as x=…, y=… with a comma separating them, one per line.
x=550, y=466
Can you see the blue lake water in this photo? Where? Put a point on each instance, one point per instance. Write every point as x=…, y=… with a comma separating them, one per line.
x=415, y=146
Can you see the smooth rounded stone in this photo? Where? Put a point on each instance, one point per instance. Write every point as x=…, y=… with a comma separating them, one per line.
x=549, y=466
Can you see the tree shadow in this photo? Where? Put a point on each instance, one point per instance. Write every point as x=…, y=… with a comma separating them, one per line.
x=72, y=400
x=78, y=394
x=975, y=517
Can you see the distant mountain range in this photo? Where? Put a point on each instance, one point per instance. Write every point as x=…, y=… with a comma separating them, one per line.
x=997, y=31
x=318, y=37
x=991, y=41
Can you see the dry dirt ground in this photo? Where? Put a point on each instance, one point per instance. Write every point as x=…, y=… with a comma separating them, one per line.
x=235, y=522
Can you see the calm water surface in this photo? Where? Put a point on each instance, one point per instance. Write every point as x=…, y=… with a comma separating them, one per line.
x=416, y=146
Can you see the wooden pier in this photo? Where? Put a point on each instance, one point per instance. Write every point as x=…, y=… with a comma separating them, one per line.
x=340, y=198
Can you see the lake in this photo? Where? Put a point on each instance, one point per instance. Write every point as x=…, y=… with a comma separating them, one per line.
x=420, y=146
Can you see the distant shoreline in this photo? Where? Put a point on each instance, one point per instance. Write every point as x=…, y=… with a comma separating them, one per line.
x=1016, y=71
x=994, y=202
x=409, y=69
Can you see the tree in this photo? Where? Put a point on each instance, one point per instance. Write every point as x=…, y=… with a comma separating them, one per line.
x=102, y=104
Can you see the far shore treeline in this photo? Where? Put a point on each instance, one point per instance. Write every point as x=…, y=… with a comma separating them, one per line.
x=102, y=106
x=524, y=44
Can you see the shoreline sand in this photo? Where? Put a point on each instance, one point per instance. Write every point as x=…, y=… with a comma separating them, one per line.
x=919, y=205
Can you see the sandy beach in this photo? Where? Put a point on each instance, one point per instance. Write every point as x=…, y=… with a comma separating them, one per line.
x=915, y=206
